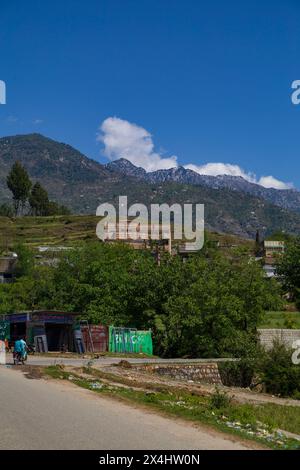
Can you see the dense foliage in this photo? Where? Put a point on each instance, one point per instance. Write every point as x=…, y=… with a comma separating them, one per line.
x=288, y=268
x=40, y=204
x=278, y=373
x=209, y=306
x=19, y=183
x=272, y=371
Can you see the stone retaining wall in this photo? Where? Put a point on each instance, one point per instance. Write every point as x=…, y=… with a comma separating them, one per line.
x=204, y=372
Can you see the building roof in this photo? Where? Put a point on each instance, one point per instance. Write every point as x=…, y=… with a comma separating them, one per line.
x=274, y=244
x=43, y=312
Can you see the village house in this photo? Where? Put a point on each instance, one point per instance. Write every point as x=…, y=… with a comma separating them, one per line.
x=141, y=237
x=273, y=248
x=7, y=268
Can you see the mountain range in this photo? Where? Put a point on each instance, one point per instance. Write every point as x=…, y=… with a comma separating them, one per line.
x=232, y=204
x=286, y=198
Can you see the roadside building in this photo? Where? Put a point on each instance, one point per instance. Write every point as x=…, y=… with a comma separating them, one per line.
x=47, y=330
x=7, y=268
x=52, y=331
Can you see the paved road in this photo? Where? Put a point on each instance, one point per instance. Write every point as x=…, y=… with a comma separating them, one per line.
x=44, y=414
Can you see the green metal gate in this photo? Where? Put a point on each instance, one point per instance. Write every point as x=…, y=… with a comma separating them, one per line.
x=129, y=340
x=4, y=330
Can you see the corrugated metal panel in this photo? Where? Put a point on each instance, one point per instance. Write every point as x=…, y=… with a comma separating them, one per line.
x=99, y=336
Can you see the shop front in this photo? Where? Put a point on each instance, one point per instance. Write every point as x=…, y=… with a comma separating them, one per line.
x=46, y=330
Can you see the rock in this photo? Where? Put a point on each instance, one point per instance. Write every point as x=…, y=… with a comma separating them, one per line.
x=125, y=364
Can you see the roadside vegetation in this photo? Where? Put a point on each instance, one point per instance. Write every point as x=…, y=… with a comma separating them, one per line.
x=288, y=268
x=209, y=306
x=270, y=371
x=255, y=422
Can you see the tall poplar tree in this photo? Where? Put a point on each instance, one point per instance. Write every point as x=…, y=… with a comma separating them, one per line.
x=18, y=182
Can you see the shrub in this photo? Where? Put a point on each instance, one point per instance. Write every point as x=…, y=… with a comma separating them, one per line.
x=220, y=400
x=290, y=324
x=279, y=374
x=237, y=374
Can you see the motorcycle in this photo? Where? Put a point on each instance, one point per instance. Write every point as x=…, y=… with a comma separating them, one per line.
x=31, y=349
x=19, y=358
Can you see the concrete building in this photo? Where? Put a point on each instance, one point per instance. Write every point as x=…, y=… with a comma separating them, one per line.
x=142, y=237
x=273, y=248
x=7, y=268
x=47, y=330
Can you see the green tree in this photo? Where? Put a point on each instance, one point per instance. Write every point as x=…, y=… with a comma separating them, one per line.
x=278, y=373
x=205, y=307
x=215, y=308
x=39, y=200
x=56, y=209
x=288, y=268
x=209, y=306
x=25, y=263
x=40, y=204
x=28, y=292
x=6, y=211
x=19, y=184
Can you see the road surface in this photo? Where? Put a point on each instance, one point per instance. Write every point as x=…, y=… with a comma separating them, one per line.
x=46, y=414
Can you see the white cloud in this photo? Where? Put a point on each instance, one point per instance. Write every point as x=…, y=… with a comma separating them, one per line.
x=215, y=169
x=122, y=139
x=271, y=182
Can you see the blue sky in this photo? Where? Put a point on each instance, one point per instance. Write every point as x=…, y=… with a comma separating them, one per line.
x=171, y=82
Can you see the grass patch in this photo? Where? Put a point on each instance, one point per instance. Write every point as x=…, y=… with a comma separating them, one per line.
x=50, y=230
x=56, y=372
x=281, y=320
x=254, y=422
x=277, y=416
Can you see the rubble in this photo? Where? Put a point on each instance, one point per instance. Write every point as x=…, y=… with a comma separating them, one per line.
x=96, y=386
x=259, y=430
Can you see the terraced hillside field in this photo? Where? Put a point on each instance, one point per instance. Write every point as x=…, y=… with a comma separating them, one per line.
x=71, y=229
x=36, y=231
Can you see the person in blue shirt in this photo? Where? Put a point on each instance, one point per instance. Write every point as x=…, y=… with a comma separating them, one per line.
x=21, y=348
